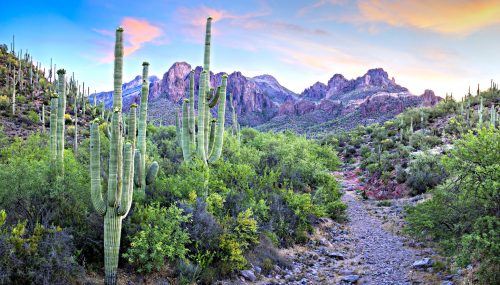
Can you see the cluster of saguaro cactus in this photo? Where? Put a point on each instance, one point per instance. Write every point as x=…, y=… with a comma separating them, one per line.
x=203, y=134
x=142, y=177
x=114, y=203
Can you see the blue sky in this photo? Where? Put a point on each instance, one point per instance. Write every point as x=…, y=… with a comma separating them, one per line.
x=441, y=45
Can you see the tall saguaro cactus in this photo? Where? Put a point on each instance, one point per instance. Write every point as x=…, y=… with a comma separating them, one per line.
x=114, y=203
x=141, y=180
x=53, y=126
x=61, y=108
x=208, y=137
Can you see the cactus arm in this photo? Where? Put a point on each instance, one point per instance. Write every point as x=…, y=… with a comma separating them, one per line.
x=95, y=168
x=138, y=169
x=178, y=134
x=132, y=124
x=212, y=136
x=219, y=136
x=201, y=117
x=185, y=136
x=128, y=175
x=214, y=100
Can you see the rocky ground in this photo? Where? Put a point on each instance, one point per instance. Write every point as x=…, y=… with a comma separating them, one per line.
x=367, y=249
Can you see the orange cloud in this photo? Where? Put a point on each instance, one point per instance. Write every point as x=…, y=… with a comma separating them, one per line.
x=456, y=17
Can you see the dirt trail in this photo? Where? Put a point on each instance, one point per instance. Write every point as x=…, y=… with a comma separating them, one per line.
x=363, y=250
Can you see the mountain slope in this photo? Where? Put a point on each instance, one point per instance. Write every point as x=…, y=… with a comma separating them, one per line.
x=262, y=102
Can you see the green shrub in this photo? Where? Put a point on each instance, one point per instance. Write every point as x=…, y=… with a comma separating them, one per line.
x=33, y=117
x=4, y=102
x=462, y=214
x=160, y=237
x=425, y=172
x=36, y=255
x=20, y=99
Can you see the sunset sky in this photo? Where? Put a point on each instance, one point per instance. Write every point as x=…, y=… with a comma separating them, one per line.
x=441, y=45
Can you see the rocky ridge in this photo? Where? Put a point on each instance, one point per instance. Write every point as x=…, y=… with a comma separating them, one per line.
x=264, y=103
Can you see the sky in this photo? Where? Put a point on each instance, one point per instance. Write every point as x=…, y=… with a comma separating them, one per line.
x=443, y=45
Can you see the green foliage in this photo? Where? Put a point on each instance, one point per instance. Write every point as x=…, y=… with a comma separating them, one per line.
x=425, y=172
x=463, y=212
x=36, y=254
x=33, y=117
x=160, y=236
x=4, y=102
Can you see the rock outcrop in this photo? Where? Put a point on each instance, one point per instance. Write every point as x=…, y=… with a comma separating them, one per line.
x=264, y=103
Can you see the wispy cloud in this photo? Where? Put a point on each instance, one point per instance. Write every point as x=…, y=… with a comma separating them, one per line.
x=137, y=32
x=455, y=17
x=303, y=11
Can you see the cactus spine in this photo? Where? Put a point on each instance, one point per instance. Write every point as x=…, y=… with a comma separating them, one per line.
x=115, y=204
x=208, y=139
x=61, y=108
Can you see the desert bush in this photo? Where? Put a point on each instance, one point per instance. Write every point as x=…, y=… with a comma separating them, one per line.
x=425, y=172
x=37, y=255
x=160, y=237
x=4, y=102
x=462, y=214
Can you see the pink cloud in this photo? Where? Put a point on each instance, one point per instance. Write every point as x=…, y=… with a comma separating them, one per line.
x=137, y=32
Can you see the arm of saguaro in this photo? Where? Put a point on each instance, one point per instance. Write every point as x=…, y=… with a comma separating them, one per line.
x=95, y=170
x=128, y=176
x=219, y=136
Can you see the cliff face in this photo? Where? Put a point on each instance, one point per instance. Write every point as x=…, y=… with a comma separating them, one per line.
x=264, y=103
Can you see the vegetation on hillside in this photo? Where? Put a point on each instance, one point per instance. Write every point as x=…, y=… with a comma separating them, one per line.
x=450, y=152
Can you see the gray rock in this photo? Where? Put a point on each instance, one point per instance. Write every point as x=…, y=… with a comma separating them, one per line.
x=447, y=283
x=336, y=255
x=422, y=263
x=258, y=269
x=351, y=279
x=249, y=275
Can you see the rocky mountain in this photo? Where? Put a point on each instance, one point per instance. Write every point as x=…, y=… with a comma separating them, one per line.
x=262, y=102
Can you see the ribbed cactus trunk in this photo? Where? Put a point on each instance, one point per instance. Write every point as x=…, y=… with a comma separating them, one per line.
x=493, y=115
x=75, y=139
x=43, y=118
x=61, y=109
x=480, y=112
x=115, y=204
x=142, y=124
x=13, y=99
x=53, y=126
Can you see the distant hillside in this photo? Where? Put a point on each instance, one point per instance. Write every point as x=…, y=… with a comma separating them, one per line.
x=262, y=102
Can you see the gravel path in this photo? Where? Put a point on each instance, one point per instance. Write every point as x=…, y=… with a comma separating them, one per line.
x=384, y=256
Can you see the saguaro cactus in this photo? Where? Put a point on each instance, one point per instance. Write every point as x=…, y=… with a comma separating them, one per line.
x=480, y=112
x=61, y=109
x=207, y=139
x=53, y=125
x=114, y=204
x=493, y=114
x=141, y=180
